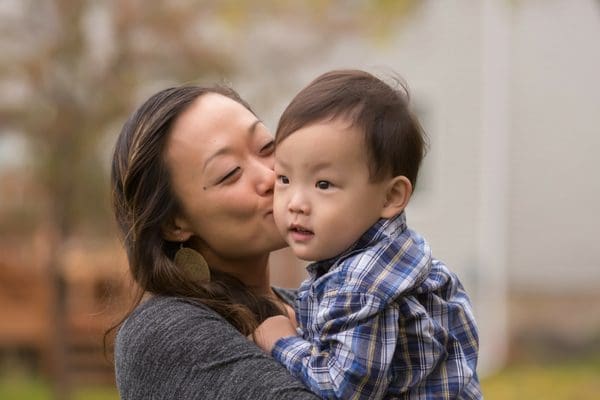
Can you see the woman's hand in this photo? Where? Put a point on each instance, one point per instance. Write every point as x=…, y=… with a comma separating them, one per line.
x=271, y=330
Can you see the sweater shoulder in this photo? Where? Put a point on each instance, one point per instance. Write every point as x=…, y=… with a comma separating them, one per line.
x=165, y=310
x=172, y=348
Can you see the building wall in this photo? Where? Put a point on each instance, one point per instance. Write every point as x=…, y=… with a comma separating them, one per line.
x=555, y=136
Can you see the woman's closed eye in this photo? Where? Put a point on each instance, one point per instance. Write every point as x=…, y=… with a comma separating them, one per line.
x=229, y=177
x=268, y=148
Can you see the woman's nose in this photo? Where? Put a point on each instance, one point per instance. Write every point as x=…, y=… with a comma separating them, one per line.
x=265, y=177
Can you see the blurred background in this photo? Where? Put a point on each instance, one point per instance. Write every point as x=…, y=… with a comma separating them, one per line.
x=508, y=92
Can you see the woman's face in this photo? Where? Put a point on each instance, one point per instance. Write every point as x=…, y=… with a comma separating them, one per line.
x=220, y=157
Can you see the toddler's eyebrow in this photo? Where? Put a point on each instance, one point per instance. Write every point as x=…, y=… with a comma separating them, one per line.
x=312, y=168
x=321, y=165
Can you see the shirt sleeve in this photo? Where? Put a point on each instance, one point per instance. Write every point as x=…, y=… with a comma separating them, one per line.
x=352, y=355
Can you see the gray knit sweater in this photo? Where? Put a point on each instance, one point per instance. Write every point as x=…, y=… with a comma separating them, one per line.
x=171, y=349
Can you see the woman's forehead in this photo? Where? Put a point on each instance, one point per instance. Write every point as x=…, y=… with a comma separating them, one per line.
x=211, y=114
x=213, y=122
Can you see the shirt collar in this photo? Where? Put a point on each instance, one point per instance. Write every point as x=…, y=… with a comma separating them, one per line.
x=384, y=227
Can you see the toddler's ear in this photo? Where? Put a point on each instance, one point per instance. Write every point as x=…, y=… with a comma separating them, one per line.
x=398, y=193
x=176, y=230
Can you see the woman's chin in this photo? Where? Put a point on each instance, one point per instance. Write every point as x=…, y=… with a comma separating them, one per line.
x=275, y=239
x=278, y=243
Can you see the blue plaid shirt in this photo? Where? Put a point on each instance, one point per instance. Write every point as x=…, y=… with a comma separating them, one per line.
x=384, y=320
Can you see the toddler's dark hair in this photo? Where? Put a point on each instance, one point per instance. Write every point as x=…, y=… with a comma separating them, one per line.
x=395, y=141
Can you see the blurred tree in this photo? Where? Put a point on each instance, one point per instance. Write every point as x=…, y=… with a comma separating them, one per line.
x=72, y=70
x=74, y=96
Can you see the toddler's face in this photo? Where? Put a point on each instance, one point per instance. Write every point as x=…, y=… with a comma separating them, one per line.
x=323, y=199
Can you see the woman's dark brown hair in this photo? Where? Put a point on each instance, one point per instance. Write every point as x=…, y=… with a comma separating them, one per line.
x=393, y=137
x=144, y=202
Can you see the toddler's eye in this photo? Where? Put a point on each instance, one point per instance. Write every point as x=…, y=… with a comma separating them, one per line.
x=323, y=185
x=283, y=179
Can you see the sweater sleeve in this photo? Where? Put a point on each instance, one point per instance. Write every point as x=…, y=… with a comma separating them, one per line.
x=171, y=349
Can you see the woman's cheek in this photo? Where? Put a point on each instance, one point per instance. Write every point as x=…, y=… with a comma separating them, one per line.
x=238, y=205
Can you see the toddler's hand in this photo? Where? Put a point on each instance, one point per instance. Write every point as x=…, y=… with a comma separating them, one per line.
x=271, y=330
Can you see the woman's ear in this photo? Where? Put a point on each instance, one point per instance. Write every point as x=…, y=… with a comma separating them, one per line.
x=397, y=195
x=176, y=229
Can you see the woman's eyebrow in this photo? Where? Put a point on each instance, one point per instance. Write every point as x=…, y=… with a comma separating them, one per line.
x=252, y=128
x=224, y=150
x=220, y=152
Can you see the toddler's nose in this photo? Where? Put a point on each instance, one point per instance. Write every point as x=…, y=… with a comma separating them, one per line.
x=298, y=204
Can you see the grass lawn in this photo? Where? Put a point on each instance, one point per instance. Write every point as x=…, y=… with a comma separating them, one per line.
x=565, y=381
x=19, y=388
x=570, y=380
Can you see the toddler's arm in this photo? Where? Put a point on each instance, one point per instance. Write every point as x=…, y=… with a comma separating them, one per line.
x=271, y=330
x=351, y=355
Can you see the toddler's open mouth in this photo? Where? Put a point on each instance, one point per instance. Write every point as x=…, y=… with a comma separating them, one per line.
x=300, y=233
x=299, y=228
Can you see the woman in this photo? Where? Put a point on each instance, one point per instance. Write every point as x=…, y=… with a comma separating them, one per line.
x=192, y=180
